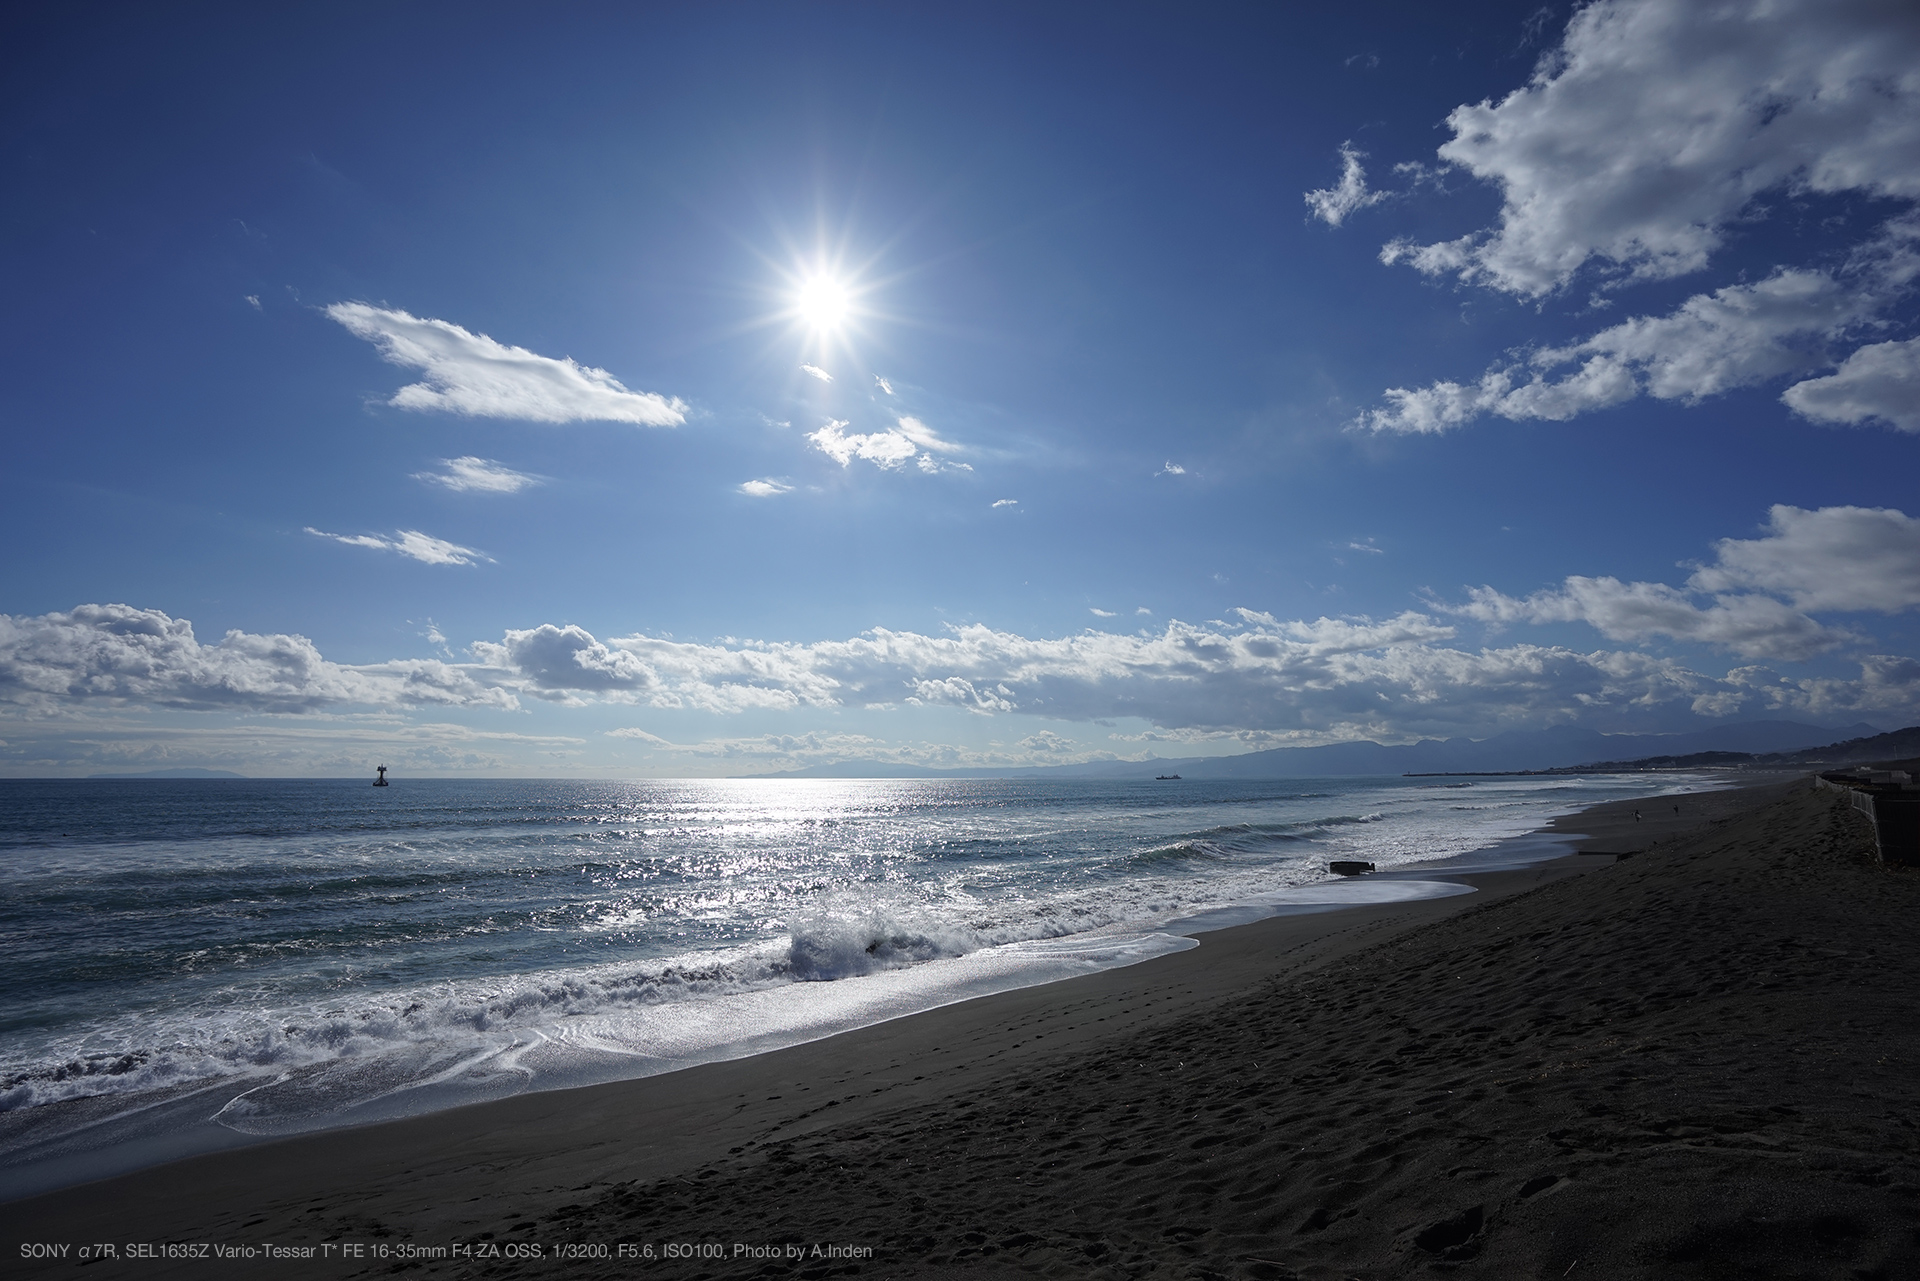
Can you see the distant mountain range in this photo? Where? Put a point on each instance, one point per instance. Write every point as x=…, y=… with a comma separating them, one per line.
x=1515, y=750
x=175, y=773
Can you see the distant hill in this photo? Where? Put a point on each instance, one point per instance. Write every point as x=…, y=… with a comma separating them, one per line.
x=175, y=773
x=1854, y=751
x=1901, y=743
x=1515, y=750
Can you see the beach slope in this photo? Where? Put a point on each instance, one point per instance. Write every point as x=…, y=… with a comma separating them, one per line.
x=1699, y=1062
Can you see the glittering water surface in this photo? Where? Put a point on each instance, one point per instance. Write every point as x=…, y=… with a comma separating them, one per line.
x=286, y=952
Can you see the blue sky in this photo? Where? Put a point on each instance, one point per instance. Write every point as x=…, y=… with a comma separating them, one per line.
x=710, y=389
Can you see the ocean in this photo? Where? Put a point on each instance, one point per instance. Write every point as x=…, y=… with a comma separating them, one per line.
x=196, y=964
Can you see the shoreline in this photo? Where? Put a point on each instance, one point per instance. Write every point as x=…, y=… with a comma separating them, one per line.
x=448, y=1175
x=174, y=1127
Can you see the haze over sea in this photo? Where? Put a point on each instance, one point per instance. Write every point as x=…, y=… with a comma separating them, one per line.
x=284, y=955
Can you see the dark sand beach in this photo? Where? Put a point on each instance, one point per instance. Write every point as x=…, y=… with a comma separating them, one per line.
x=1699, y=1061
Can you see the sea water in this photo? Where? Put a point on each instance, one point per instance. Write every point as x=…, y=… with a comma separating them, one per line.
x=194, y=963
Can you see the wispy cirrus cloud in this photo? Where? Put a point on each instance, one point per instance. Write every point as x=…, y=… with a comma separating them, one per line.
x=470, y=475
x=765, y=488
x=410, y=543
x=469, y=373
x=814, y=371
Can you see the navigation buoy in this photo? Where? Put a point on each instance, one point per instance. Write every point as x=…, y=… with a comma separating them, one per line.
x=382, y=780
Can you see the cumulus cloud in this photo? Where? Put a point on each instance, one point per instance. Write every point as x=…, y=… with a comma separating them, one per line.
x=469, y=373
x=1048, y=743
x=882, y=448
x=909, y=441
x=1255, y=675
x=1880, y=381
x=411, y=543
x=1733, y=337
x=119, y=655
x=1835, y=558
x=1353, y=675
x=765, y=488
x=558, y=660
x=1331, y=205
x=1758, y=592
x=470, y=475
x=1102, y=613
x=814, y=371
x=1171, y=469
x=1658, y=122
x=1751, y=625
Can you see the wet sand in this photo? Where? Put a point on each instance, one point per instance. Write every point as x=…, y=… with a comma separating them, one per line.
x=1700, y=1061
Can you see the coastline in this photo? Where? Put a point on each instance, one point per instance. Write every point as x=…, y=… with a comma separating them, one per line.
x=452, y=1176
x=66, y=1142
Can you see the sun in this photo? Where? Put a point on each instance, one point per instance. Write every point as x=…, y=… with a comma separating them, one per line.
x=823, y=303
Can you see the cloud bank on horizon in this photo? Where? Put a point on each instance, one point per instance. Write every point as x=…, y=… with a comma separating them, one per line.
x=1336, y=677
x=1654, y=130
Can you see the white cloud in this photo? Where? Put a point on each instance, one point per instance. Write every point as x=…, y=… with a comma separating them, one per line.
x=1332, y=204
x=1752, y=626
x=1761, y=589
x=1658, y=122
x=1006, y=502
x=253, y=300
x=1328, y=677
x=1733, y=337
x=816, y=372
x=910, y=440
x=883, y=384
x=1171, y=469
x=925, y=437
x=470, y=475
x=1881, y=381
x=1836, y=558
x=1143, y=610
x=765, y=488
x=116, y=654
x=468, y=373
x=1367, y=547
x=1102, y=613
x=631, y=731
x=882, y=449
x=412, y=543
x=1354, y=675
x=1048, y=743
